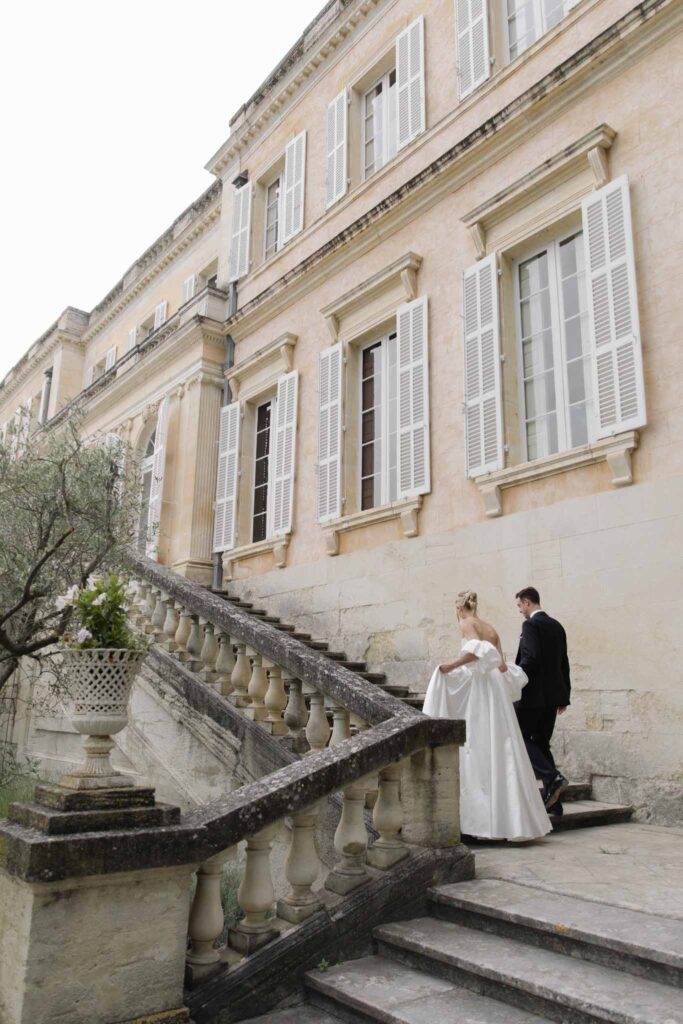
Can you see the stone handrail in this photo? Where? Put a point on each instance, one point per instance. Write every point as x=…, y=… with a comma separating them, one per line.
x=342, y=686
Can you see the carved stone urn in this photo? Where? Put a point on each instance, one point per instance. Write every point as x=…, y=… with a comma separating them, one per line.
x=99, y=681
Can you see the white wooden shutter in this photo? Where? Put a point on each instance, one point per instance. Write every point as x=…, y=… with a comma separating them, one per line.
x=284, y=453
x=336, y=148
x=241, y=225
x=89, y=374
x=189, y=287
x=157, y=486
x=619, y=393
x=481, y=345
x=225, y=522
x=160, y=314
x=473, y=44
x=132, y=338
x=413, y=399
x=294, y=189
x=329, y=433
x=110, y=358
x=410, y=82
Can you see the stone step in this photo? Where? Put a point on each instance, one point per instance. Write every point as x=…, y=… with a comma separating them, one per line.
x=298, y=635
x=561, y=988
x=645, y=944
x=378, y=678
x=354, y=666
x=383, y=990
x=296, y=1015
x=590, y=813
x=577, y=791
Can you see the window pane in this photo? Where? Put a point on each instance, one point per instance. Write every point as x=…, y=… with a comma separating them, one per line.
x=261, y=470
x=578, y=424
x=522, y=26
x=577, y=380
x=575, y=331
x=259, y=528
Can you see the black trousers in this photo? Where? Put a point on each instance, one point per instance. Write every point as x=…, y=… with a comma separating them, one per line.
x=537, y=726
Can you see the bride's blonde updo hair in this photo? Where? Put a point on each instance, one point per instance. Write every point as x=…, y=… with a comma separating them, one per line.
x=466, y=601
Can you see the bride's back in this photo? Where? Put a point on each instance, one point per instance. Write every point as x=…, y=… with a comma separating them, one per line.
x=474, y=628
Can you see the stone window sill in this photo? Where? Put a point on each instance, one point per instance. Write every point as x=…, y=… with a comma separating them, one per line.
x=406, y=510
x=277, y=546
x=615, y=451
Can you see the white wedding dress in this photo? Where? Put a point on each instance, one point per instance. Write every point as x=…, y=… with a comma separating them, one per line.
x=499, y=794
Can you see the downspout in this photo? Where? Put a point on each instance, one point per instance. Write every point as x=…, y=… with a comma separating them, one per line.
x=227, y=399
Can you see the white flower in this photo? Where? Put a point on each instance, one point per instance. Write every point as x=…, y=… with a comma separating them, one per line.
x=83, y=635
x=99, y=600
x=66, y=599
x=93, y=581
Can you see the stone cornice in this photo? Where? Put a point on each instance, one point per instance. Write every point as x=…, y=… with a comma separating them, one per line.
x=278, y=355
x=31, y=364
x=625, y=41
x=289, y=76
x=404, y=269
x=163, y=256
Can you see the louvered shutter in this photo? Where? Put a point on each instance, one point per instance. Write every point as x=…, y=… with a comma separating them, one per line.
x=109, y=359
x=481, y=345
x=189, y=286
x=410, y=82
x=295, y=178
x=619, y=394
x=225, y=522
x=413, y=399
x=89, y=374
x=132, y=338
x=240, y=230
x=157, y=486
x=473, y=44
x=160, y=314
x=329, y=433
x=284, y=453
x=336, y=148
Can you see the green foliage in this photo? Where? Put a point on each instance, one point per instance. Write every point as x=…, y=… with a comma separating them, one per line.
x=17, y=780
x=100, y=615
x=65, y=514
x=323, y=965
x=230, y=884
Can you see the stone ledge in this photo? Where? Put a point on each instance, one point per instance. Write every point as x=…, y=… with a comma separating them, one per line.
x=616, y=451
x=277, y=546
x=55, y=823
x=61, y=799
x=406, y=510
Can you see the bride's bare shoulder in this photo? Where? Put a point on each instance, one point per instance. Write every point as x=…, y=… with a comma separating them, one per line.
x=487, y=632
x=470, y=629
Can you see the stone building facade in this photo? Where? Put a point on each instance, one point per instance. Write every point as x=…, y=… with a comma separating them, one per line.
x=435, y=273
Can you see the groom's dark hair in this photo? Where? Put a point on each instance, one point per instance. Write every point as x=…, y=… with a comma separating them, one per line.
x=530, y=593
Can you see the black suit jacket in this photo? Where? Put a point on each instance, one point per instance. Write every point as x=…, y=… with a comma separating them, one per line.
x=543, y=656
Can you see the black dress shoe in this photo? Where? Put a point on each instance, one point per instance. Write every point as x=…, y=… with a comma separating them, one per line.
x=554, y=791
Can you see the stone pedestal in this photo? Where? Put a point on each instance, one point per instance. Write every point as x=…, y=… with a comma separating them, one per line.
x=105, y=948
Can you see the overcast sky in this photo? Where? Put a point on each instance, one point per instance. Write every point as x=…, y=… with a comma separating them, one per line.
x=109, y=113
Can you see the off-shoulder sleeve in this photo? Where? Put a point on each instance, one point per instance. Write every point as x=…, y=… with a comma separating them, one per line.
x=516, y=680
x=488, y=655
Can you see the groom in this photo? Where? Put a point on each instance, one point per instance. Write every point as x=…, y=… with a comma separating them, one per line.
x=542, y=655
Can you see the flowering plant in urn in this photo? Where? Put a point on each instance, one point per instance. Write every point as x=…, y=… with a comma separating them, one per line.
x=101, y=657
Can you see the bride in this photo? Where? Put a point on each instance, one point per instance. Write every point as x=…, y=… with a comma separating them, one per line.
x=499, y=795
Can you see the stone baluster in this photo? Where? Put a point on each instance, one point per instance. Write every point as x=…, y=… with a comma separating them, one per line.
x=206, y=917
x=241, y=675
x=209, y=654
x=258, y=686
x=372, y=782
x=140, y=603
x=275, y=700
x=225, y=663
x=302, y=868
x=170, y=626
x=194, y=644
x=341, y=729
x=318, y=728
x=150, y=605
x=388, y=818
x=350, y=842
x=183, y=632
x=296, y=716
x=256, y=896
x=159, y=615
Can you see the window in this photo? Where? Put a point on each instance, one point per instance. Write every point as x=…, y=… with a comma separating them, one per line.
x=272, y=220
x=379, y=422
x=146, y=474
x=552, y=325
x=380, y=135
x=262, y=471
x=528, y=20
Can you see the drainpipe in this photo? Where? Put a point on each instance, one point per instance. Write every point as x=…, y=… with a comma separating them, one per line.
x=227, y=398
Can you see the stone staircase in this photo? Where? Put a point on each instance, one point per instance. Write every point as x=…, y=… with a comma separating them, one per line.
x=580, y=809
x=496, y=952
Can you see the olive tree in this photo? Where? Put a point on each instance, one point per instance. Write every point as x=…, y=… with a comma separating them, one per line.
x=64, y=515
